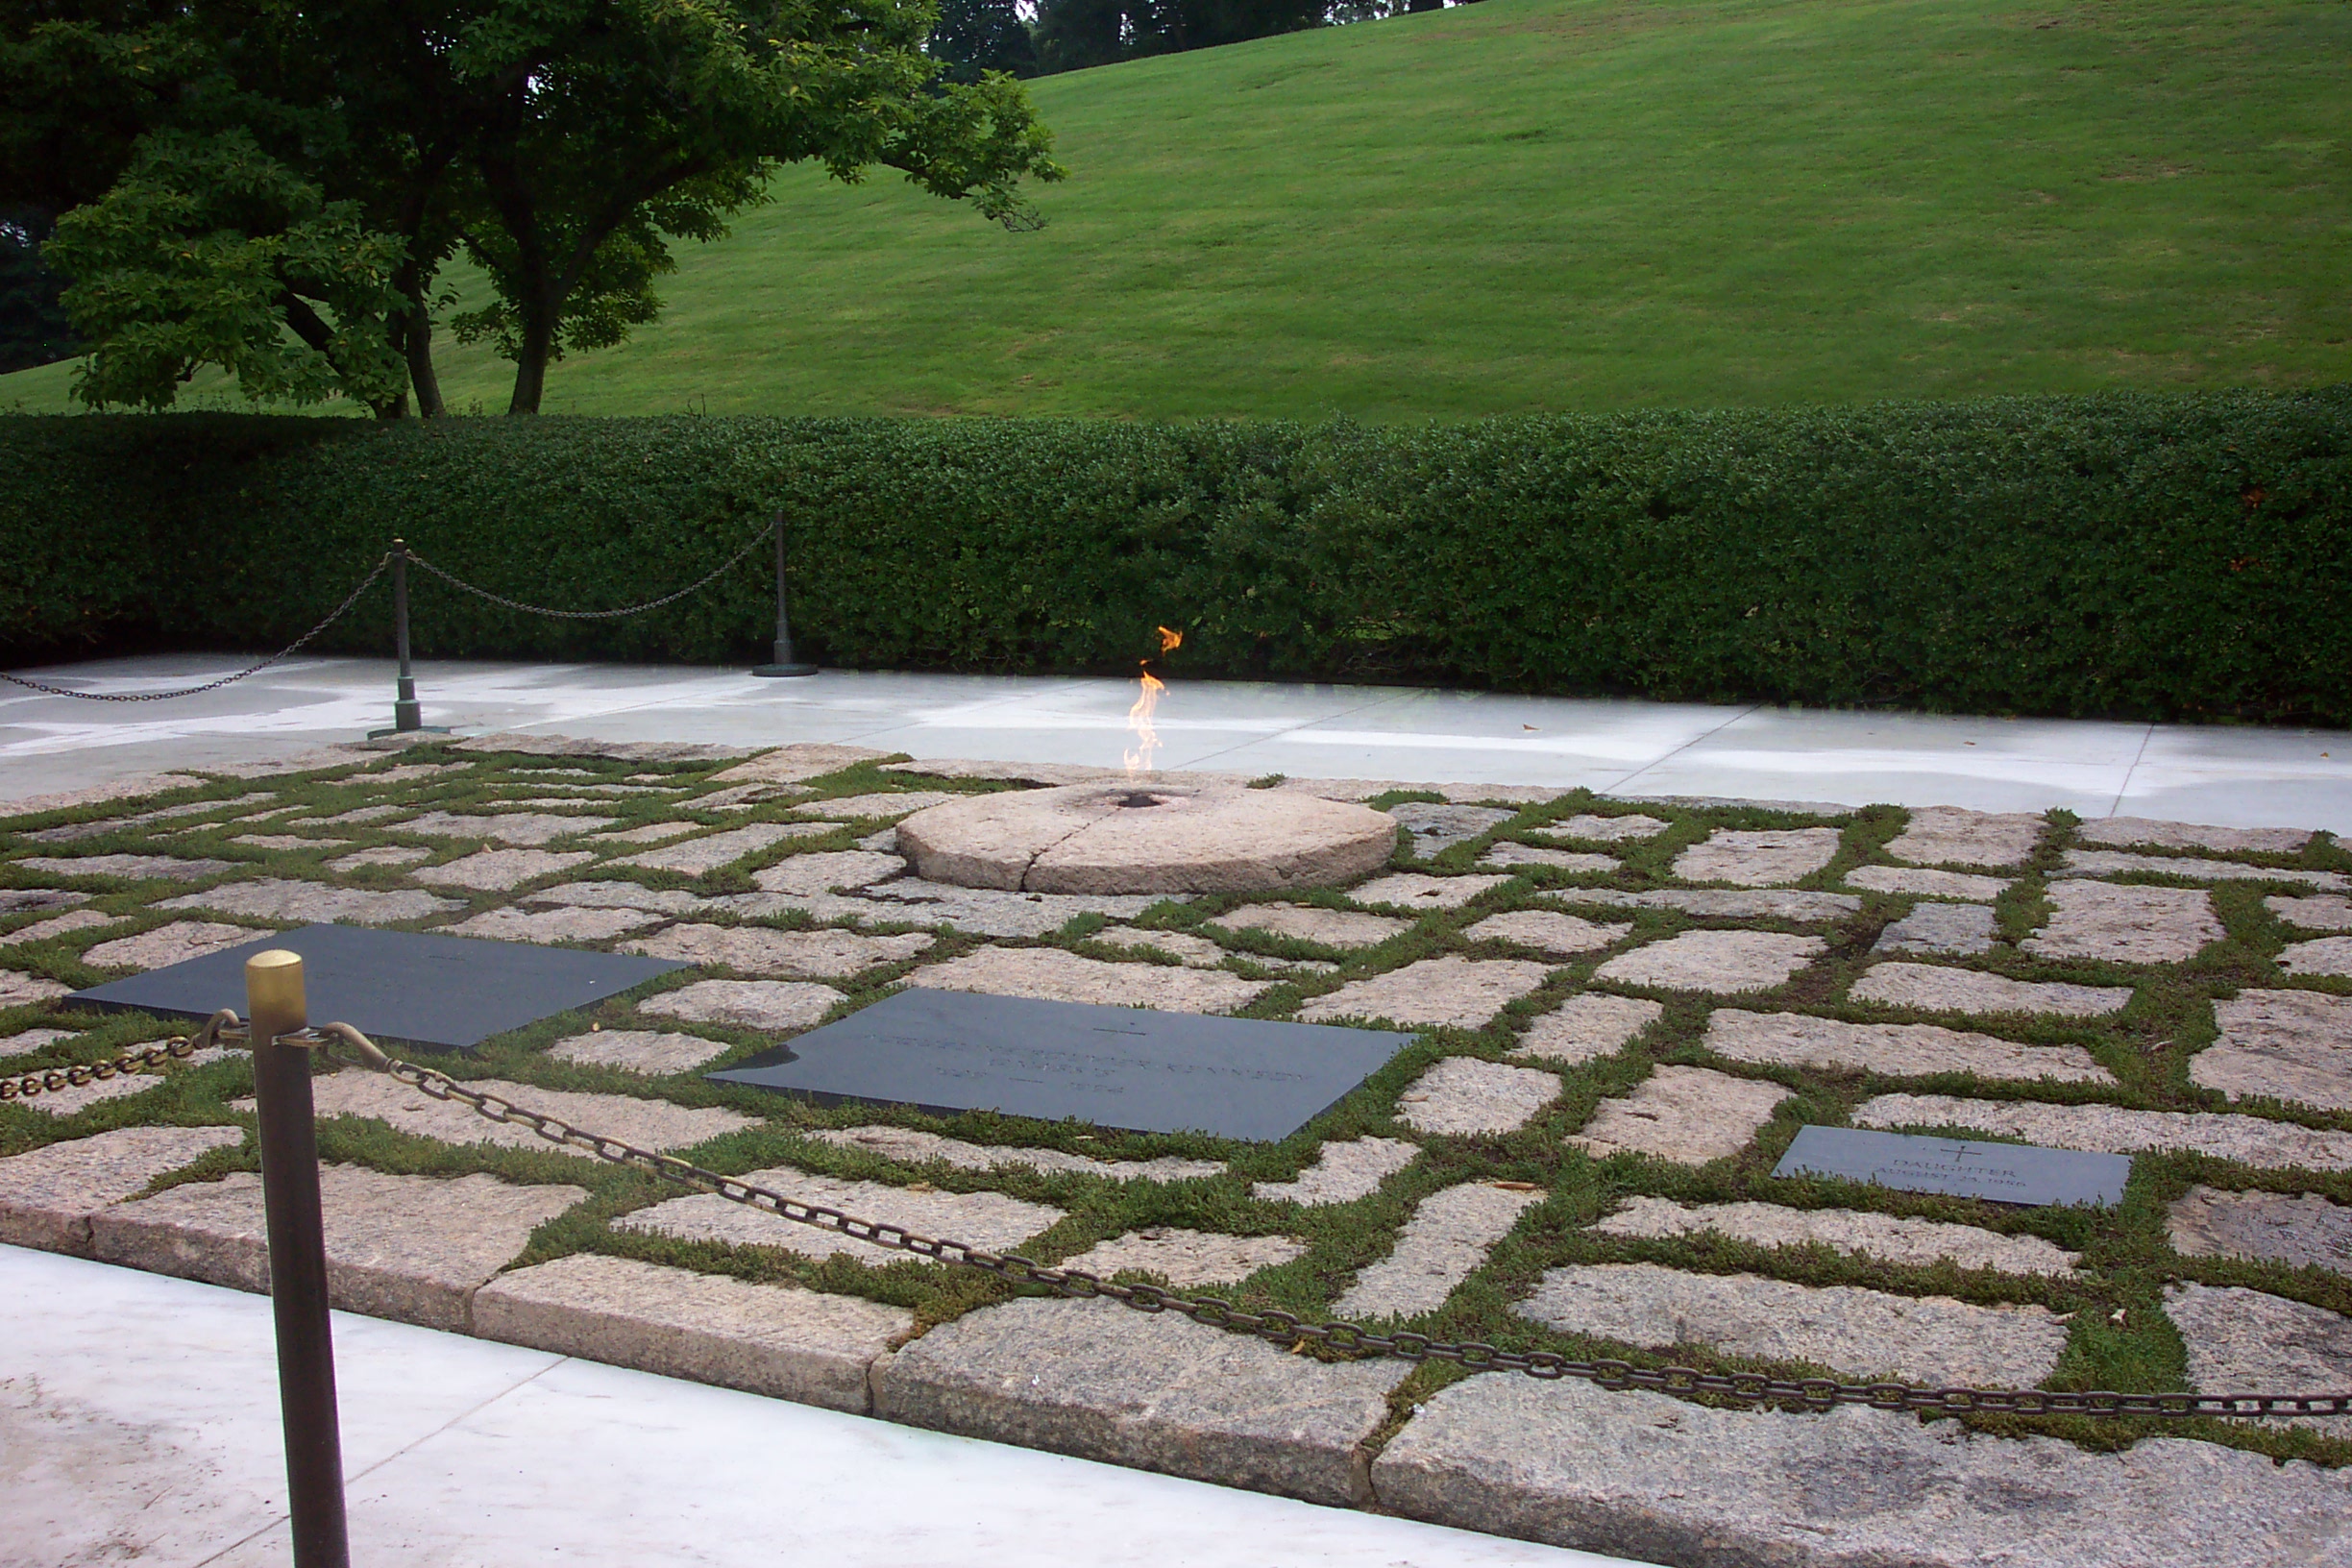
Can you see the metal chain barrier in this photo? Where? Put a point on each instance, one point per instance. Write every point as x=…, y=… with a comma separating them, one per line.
x=730, y=564
x=222, y=1028
x=287, y=651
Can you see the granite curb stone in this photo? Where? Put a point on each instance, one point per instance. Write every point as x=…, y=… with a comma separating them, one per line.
x=47, y=1195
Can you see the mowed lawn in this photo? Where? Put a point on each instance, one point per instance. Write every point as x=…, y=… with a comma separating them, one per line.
x=1561, y=204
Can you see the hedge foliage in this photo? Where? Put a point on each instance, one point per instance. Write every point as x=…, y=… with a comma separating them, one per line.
x=2158, y=556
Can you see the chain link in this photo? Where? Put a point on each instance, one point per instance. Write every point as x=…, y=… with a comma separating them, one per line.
x=1294, y=1333
x=287, y=651
x=731, y=562
x=222, y=1028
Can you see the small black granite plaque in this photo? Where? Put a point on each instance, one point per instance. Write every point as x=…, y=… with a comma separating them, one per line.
x=1126, y=1068
x=2019, y=1173
x=404, y=987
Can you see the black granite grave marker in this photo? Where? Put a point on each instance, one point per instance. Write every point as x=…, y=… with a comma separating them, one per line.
x=403, y=987
x=2019, y=1173
x=1116, y=1067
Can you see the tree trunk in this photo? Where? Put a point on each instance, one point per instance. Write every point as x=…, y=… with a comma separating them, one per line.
x=416, y=341
x=536, y=348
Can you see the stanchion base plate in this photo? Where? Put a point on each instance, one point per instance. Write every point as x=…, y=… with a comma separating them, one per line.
x=417, y=729
x=785, y=670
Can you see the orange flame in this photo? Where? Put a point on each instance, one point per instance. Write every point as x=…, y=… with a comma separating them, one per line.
x=1170, y=641
x=1140, y=720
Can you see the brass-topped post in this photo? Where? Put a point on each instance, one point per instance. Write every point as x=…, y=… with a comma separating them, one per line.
x=783, y=663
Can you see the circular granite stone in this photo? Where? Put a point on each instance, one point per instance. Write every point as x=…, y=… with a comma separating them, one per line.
x=1113, y=836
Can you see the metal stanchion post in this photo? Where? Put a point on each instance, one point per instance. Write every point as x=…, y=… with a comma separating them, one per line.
x=783, y=663
x=407, y=714
x=298, y=1260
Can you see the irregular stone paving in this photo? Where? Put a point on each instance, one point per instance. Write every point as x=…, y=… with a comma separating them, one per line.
x=1464, y=1096
x=2301, y=1229
x=1051, y=974
x=1962, y=930
x=1416, y=890
x=1197, y=951
x=696, y=856
x=1757, y=860
x=2327, y=955
x=1324, y=927
x=652, y=1053
x=617, y=895
x=383, y=854
x=647, y=833
x=852, y=808
x=1949, y=836
x=1562, y=936
x=285, y=841
x=2286, y=1044
x=48, y=1194
x=1607, y=829
x=980, y=911
x=1895, y=1050
x=18, y=988
x=130, y=867
x=1717, y=961
x=796, y=764
x=1460, y=992
x=754, y=1004
x=172, y=943
x=2115, y=862
x=29, y=900
x=813, y=955
x=1648, y=1476
x=77, y=832
x=1850, y=1330
x=2125, y=925
x=983, y=1219
x=1510, y=854
x=1686, y=1115
x=1342, y=1172
x=411, y=1248
x=1853, y=1232
x=1186, y=1258
x=59, y=926
x=911, y=1146
x=2112, y=1129
x=359, y=814
x=2248, y=1341
x=654, y=1125
x=1927, y=882
x=808, y=1346
x=823, y=872
x=1432, y=828
x=2318, y=912
x=1154, y=1391
x=1720, y=903
x=31, y=1039
x=272, y=899
x=1587, y=1026
x=497, y=870
x=2129, y=831
x=550, y=926
x=1937, y=987
x=524, y=829
x=1445, y=1241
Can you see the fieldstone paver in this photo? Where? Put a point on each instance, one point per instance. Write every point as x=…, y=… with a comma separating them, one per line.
x=32, y=901
x=285, y=841
x=2286, y=1045
x=810, y=955
x=985, y=1219
x=823, y=871
x=1720, y=903
x=1436, y=827
x=1051, y=974
x=1758, y=859
x=58, y=925
x=524, y=829
x=573, y=745
x=31, y=1039
x=383, y=854
x=1927, y=882
x=1562, y=936
x=754, y=1004
x=1652, y=1477
x=167, y=945
x=1186, y=1258
x=745, y=796
x=1892, y=1049
x=811, y=1347
x=617, y=895
x=654, y=1125
x=912, y=1146
x=1417, y=889
x=1460, y=993
x=1715, y=961
x=1848, y=1329
x=1962, y=930
x=1445, y=1241
x=1465, y=1097
x=1938, y=988
x=852, y=808
x=1949, y=836
x=1592, y=1025
x=648, y=833
x=2196, y=869
x=48, y=1194
x=18, y=988
x=130, y=867
x=796, y=764
x=2110, y=1129
x=73, y=1100
x=695, y=857
x=1197, y=951
x=1509, y=853
x=652, y=1053
x=1854, y=1232
x=498, y=870
x=412, y=1248
x=2301, y=1229
x=1607, y=829
x=2125, y=832
x=1324, y=927
x=1687, y=1114
x=361, y=813
x=982, y=911
x=550, y=926
x=2249, y=1341
x=1342, y=1172
x=2125, y=925
x=2316, y=912
x=2325, y=955
x=301, y=903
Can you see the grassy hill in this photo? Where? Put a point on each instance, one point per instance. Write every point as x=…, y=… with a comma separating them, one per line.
x=1552, y=205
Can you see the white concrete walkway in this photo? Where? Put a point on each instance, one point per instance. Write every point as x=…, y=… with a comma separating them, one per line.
x=2243, y=777
x=141, y=1426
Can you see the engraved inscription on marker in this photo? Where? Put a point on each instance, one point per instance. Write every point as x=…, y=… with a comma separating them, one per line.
x=2019, y=1173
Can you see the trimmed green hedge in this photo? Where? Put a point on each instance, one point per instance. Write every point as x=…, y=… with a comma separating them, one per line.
x=2157, y=557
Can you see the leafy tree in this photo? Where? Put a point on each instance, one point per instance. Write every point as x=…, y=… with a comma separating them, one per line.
x=1072, y=35
x=33, y=327
x=977, y=36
